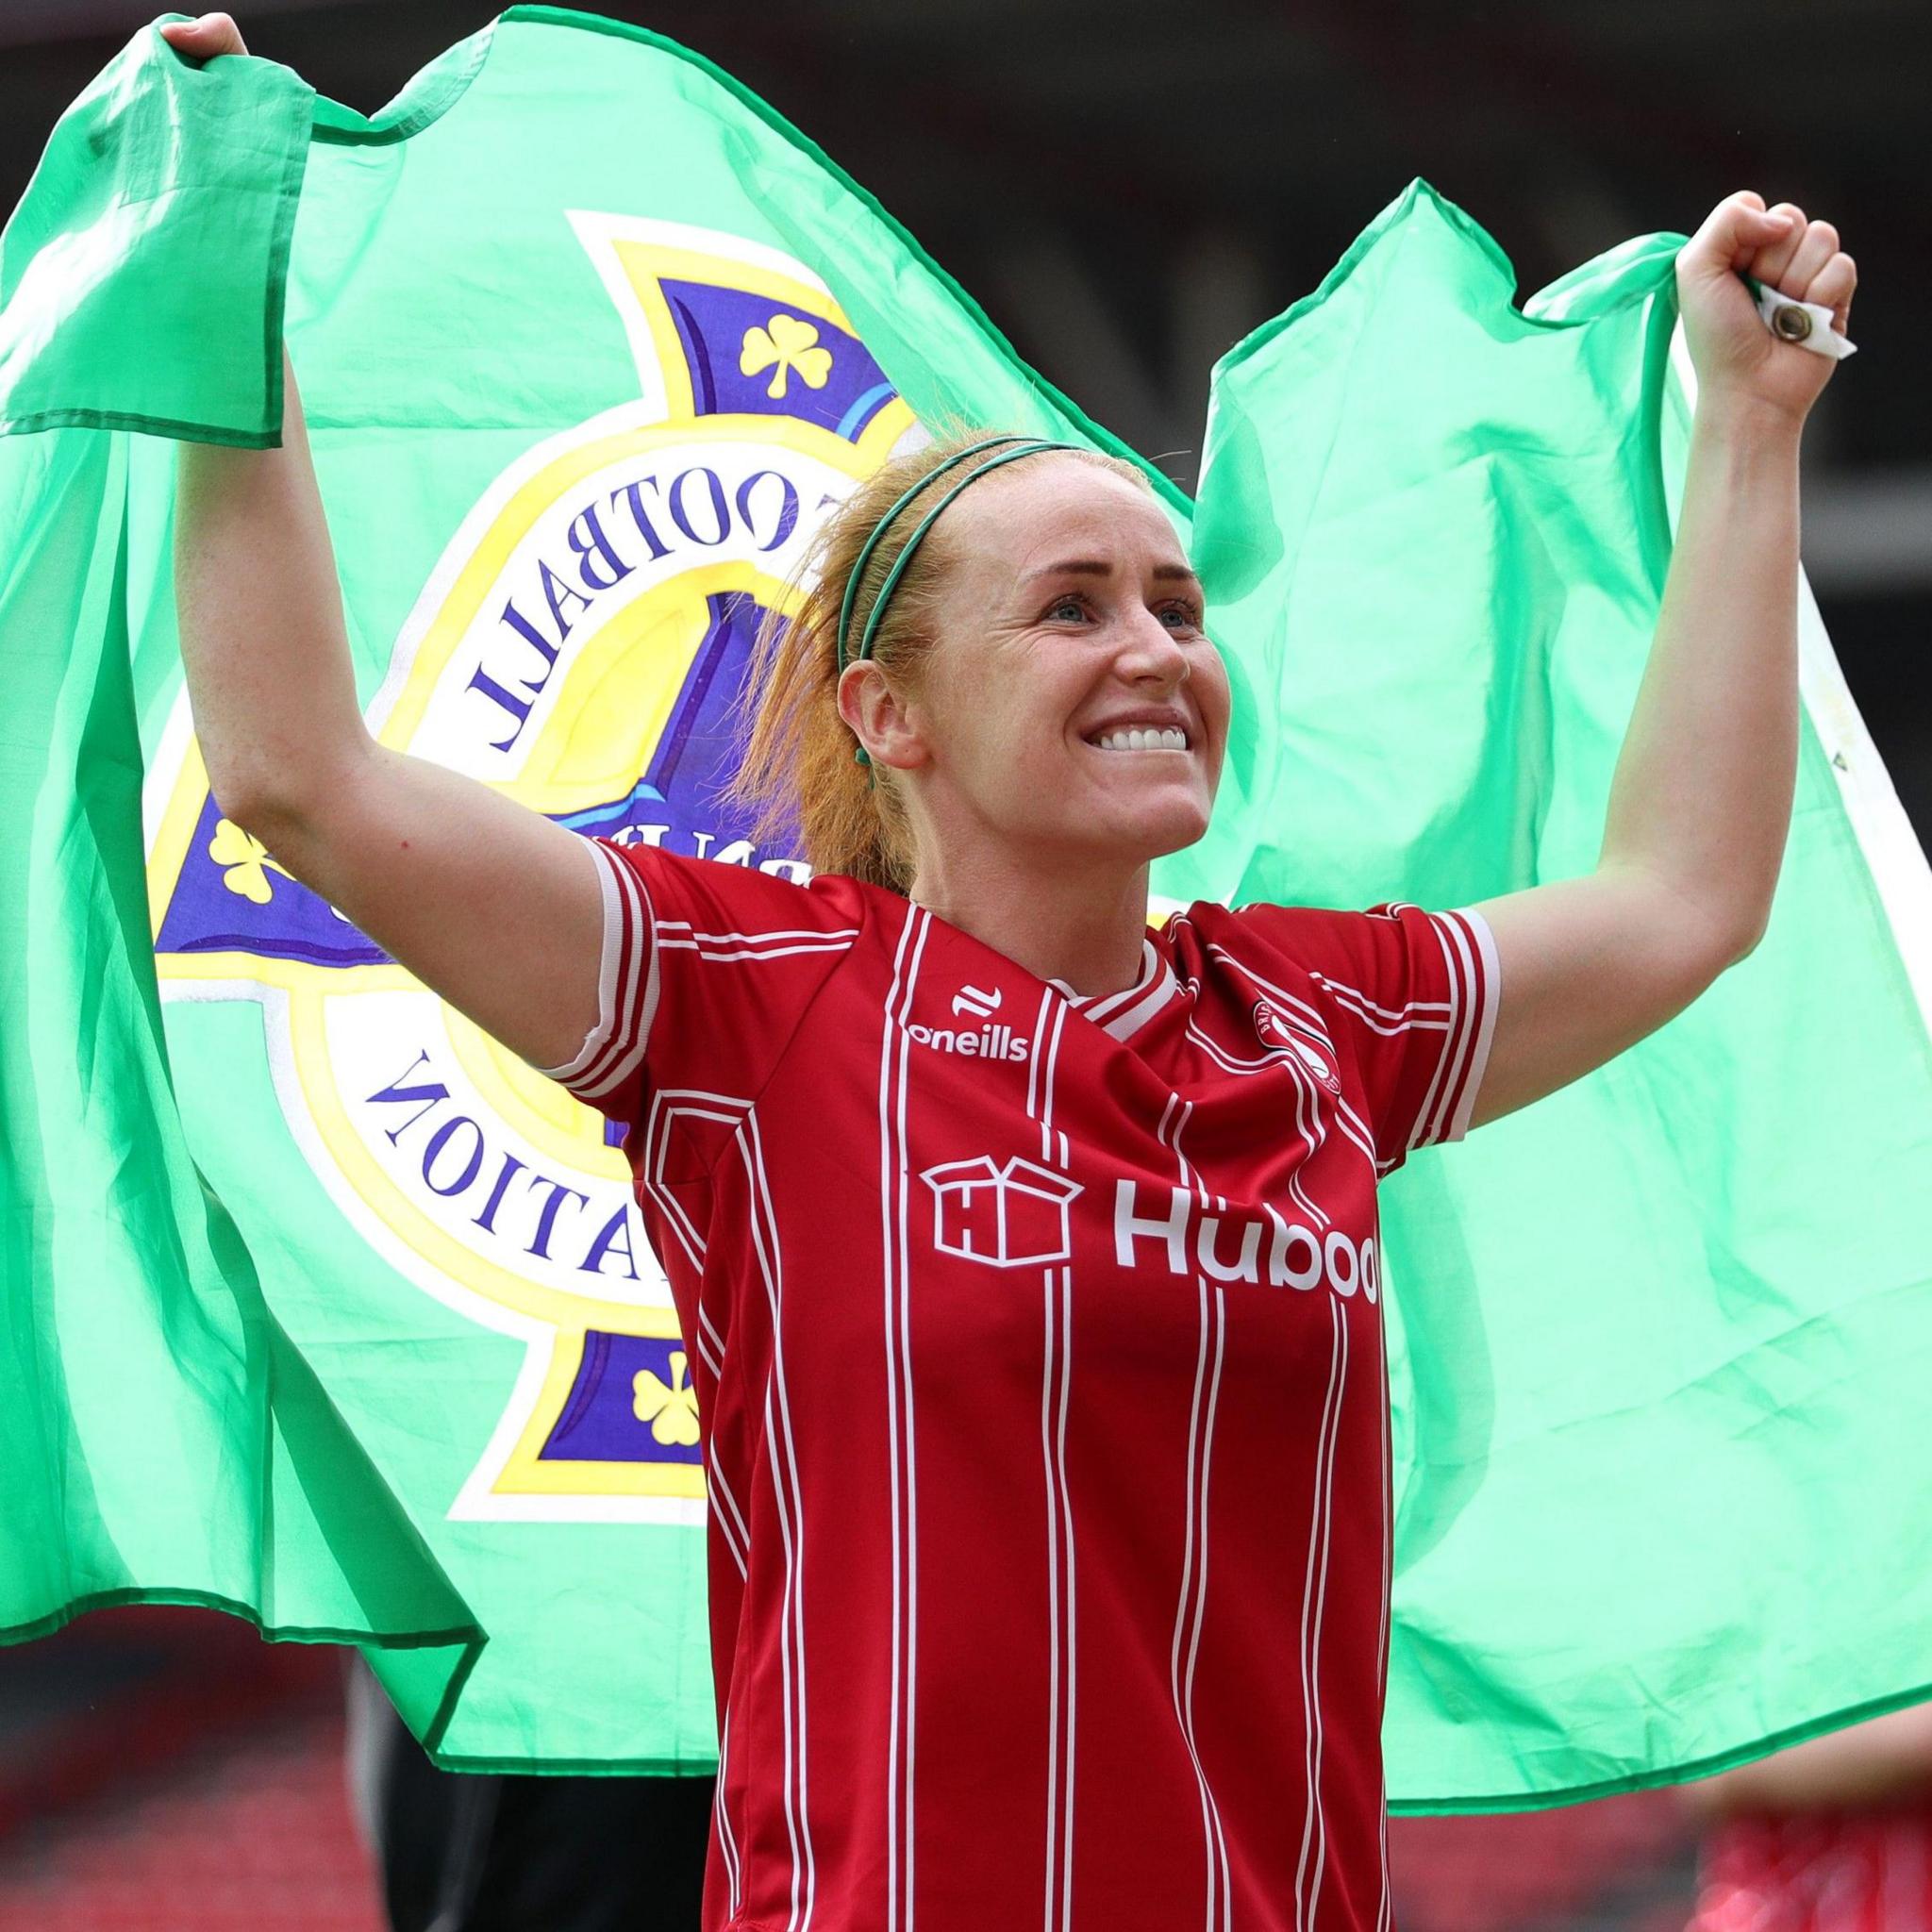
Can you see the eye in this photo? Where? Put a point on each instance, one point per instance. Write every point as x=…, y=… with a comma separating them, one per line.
x=1057, y=611
x=1182, y=616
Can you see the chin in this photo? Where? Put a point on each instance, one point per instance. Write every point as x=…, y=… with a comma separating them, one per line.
x=1155, y=834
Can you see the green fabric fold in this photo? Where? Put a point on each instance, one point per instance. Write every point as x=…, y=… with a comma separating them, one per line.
x=142, y=275
x=162, y=1438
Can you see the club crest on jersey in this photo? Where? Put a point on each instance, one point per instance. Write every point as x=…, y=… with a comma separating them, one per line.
x=1277, y=1036
x=1010, y=1216
x=578, y=643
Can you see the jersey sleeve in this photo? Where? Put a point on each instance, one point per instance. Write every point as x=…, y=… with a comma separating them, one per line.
x=705, y=971
x=1409, y=997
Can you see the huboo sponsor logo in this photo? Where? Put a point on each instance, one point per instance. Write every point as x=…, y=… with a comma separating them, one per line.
x=578, y=643
x=1171, y=1227
x=1008, y=1216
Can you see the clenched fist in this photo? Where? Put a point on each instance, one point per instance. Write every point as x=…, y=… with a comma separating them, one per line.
x=1739, y=361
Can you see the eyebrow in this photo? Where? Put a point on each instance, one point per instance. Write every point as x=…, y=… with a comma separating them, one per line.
x=1096, y=567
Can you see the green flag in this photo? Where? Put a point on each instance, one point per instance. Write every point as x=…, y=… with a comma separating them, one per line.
x=1656, y=1341
x=589, y=340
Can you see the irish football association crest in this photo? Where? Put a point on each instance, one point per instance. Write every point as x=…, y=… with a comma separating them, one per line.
x=579, y=645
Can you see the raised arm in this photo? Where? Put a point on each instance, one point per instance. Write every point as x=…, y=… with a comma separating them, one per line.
x=488, y=902
x=1701, y=800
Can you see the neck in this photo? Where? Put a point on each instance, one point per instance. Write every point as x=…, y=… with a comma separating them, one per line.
x=1086, y=926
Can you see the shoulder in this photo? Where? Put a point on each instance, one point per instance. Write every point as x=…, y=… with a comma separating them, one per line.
x=707, y=968
x=701, y=903
x=1322, y=941
x=1406, y=998
x=1389, y=967
x=1207, y=940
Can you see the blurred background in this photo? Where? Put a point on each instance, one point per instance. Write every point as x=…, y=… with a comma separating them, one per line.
x=1128, y=187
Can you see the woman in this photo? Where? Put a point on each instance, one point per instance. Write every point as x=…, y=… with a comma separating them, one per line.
x=1028, y=1264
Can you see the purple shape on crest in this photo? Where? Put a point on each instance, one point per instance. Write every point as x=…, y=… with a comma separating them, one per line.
x=204, y=915
x=600, y=1422
x=713, y=323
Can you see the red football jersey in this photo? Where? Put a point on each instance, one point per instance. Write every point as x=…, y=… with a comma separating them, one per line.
x=1037, y=1345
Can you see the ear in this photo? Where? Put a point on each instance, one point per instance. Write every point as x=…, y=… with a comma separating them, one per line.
x=888, y=727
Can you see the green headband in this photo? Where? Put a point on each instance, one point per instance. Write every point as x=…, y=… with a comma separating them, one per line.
x=1022, y=446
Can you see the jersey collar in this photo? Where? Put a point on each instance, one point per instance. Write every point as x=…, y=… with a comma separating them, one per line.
x=1123, y=1014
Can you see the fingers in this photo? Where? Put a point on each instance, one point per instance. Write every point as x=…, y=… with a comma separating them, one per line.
x=1816, y=246
x=203, y=40
x=1773, y=257
x=1806, y=262
x=1833, y=287
x=1739, y=228
x=1781, y=248
x=1791, y=263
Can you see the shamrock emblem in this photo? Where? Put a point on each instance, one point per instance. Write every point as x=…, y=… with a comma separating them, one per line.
x=786, y=345
x=244, y=862
x=673, y=1412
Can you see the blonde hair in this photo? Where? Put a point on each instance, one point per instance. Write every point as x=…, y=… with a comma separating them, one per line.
x=799, y=765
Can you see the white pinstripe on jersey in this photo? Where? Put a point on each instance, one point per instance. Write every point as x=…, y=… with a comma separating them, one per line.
x=727, y=1841
x=895, y=1048
x=1314, y=1602
x=1055, y=1394
x=669, y=1105
x=1192, y=1609
x=1384, y=1904
x=789, y=1495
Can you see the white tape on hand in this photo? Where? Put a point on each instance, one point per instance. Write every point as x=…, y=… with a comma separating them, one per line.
x=1805, y=324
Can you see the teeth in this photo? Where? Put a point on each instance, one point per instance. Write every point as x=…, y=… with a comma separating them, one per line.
x=1135, y=738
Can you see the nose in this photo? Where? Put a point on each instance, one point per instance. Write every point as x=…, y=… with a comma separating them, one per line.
x=1151, y=654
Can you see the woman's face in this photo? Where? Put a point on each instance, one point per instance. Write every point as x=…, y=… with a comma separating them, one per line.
x=1068, y=620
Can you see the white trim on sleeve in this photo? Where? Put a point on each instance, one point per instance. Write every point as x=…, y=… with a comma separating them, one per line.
x=1488, y=995
x=615, y=1043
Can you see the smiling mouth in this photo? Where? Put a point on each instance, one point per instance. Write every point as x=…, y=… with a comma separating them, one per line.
x=1136, y=738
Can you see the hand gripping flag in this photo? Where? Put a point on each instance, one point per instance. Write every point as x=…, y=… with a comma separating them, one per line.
x=589, y=341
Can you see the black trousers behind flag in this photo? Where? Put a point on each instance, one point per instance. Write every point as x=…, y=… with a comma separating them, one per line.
x=460, y=1853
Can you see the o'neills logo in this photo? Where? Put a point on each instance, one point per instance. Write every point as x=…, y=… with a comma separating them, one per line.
x=988, y=1043
x=1231, y=1248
